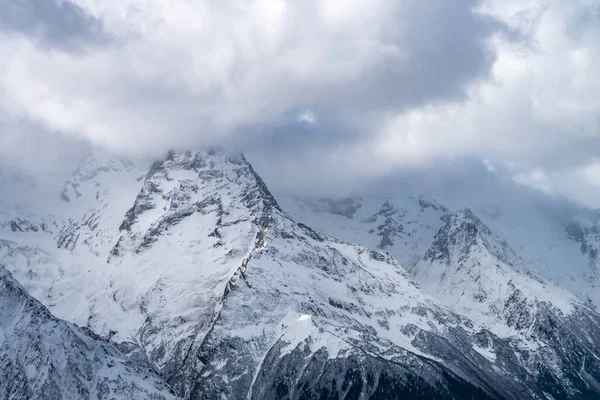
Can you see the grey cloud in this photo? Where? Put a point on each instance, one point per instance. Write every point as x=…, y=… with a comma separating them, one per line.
x=445, y=45
x=411, y=85
x=29, y=147
x=436, y=48
x=56, y=23
x=440, y=48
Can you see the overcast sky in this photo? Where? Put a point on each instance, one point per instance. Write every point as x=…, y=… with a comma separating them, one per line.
x=324, y=95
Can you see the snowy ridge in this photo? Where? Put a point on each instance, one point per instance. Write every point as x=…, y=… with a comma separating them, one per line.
x=556, y=241
x=479, y=276
x=477, y=273
x=42, y=357
x=305, y=292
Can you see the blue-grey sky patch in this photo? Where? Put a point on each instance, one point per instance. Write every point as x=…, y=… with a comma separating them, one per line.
x=57, y=23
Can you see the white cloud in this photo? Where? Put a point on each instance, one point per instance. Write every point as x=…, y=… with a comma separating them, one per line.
x=536, y=178
x=306, y=117
x=591, y=173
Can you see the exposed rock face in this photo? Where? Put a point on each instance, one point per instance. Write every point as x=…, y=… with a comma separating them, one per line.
x=585, y=231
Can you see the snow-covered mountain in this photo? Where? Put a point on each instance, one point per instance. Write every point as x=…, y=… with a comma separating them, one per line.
x=193, y=265
x=401, y=226
x=467, y=268
x=478, y=275
x=471, y=270
x=556, y=240
x=42, y=357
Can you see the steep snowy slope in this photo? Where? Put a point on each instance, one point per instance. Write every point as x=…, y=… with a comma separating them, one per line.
x=470, y=269
x=478, y=275
x=556, y=240
x=42, y=357
x=55, y=237
x=195, y=266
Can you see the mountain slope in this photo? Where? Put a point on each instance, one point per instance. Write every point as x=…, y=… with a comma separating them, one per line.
x=403, y=226
x=478, y=275
x=193, y=265
x=42, y=357
x=314, y=303
x=557, y=240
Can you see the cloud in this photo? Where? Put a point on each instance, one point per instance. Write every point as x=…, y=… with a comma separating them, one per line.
x=591, y=173
x=29, y=147
x=537, y=112
x=381, y=88
x=536, y=179
x=188, y=73
x=306, y=117
x=53, y=23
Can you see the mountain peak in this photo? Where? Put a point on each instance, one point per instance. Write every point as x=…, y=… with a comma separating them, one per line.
x=461, y=232
x=220, y=167
x=188, y=183
x=465, y=219
x=480, y=275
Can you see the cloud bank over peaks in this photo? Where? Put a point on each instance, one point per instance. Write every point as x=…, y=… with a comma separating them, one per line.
x=195, y=72
x=331, y=93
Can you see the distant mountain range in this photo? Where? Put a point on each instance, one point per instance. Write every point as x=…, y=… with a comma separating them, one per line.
x=189, y=279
